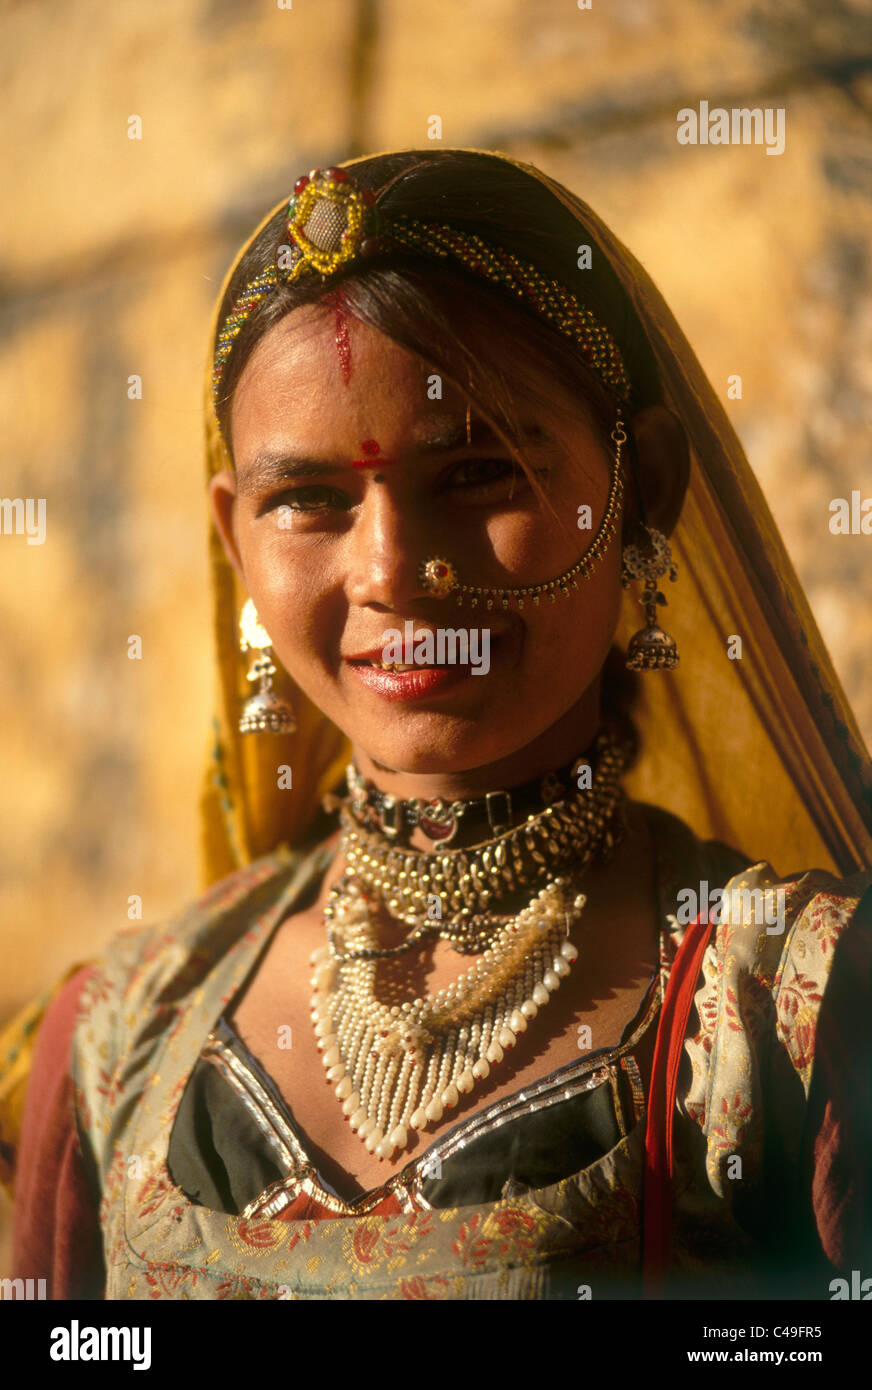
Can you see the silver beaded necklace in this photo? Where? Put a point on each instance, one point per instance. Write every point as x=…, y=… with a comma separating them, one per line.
x=396, y=1068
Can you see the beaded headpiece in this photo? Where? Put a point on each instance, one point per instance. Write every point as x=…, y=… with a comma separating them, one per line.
x=331, y=222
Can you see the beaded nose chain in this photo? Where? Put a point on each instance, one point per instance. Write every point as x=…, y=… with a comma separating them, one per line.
x=439, y=576
x=398, y=1067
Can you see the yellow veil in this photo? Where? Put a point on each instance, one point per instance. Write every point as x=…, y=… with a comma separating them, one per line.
x=762, y=752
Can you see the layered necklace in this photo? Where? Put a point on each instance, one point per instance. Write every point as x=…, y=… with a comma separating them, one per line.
x=398, y=1067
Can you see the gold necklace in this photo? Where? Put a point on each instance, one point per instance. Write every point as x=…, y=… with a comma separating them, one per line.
x=427, y=888
x=397, y=1067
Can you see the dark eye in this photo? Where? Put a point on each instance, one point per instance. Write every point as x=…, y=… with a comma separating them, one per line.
x=480, y=472
x=314, y=498
x=494, y=475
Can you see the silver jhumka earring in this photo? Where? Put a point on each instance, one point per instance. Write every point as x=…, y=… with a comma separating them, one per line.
x=650, y=649
x=264, y=711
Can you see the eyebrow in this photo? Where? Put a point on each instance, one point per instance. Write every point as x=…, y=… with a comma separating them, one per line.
x=270, y=467
x=453, y=435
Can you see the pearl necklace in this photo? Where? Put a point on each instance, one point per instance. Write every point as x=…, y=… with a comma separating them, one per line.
x=397, y=1068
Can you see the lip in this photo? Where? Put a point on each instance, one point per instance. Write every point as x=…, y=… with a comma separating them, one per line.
x=420, y=683
x=375, y=653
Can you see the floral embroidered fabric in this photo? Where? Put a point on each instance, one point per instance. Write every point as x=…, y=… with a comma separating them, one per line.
x=157, y=998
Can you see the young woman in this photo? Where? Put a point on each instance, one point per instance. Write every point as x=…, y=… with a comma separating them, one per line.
x=536, y=963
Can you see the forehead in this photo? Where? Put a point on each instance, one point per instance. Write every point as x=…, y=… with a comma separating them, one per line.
x=295, y=373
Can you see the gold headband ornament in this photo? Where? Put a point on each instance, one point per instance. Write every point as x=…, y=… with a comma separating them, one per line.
x=331, y=222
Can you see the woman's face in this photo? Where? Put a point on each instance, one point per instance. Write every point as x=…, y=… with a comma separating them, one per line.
x=342, y=488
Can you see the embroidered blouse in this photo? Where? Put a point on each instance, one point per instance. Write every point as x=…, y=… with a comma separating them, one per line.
x=160, y=1161
x=234, y=1146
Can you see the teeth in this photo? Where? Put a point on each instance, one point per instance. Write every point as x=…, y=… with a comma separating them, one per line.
x=390, y=666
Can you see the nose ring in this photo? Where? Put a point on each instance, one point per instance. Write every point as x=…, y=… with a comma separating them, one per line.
x=437, y=576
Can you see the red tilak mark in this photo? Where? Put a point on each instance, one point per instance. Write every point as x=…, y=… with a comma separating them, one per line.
x=343, y=345
x=373, y=448
x=341, y=337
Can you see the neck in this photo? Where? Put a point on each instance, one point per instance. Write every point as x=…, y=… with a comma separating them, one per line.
x=553, y=748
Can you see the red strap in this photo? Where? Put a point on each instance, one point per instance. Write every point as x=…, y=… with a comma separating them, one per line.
x=657, y=1186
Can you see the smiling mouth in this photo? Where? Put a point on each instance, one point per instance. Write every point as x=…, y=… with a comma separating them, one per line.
x=397, y=665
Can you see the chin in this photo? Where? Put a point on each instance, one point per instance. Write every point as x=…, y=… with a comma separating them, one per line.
x=442, y=744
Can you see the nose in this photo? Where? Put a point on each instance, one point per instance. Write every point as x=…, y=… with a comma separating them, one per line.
x=385, y=548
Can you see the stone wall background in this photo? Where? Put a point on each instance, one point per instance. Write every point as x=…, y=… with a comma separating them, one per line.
x=114, y=248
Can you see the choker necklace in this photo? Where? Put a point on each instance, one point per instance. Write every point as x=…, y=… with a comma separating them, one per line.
x=446, y=892
x=398, y=1066
x=481, y=817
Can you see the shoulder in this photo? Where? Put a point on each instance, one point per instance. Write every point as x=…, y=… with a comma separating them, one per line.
x=148, y=982
x=167, y=959
x=774, y=942
x=36, y=1047
x=781, y=933
x=764, y=984
x=35, y=1065
x=685, y=858
x=143, y=979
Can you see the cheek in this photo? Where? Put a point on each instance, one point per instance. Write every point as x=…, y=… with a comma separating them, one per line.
x=574, y=634
x=296, y=596
x=540, y=540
